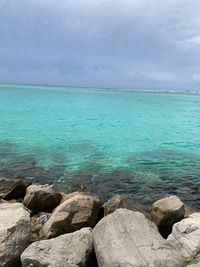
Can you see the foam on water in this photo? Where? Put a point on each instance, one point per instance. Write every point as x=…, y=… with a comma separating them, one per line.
x=153, y=135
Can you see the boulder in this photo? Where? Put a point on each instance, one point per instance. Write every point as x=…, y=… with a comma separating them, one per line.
x=76, y=212
x=69, y=250
x=185, y=237
x=167, y=211
x=41, y=197
x=114, y=203
x=126, y=238
x=13, y=188
x=14, y=233
x=3, y=201
x=189, y=210
x=120, y=201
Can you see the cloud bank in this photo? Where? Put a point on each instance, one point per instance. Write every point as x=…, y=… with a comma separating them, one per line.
x=124, y=44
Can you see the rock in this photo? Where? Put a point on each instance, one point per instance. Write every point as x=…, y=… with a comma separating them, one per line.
x=126, y=238
x=185, y=237
x=114, y=203
x=13, y=188
x=2, y=201
x=14, y=233
x=167, y=211
x=73, y=214
x=120, y=201
x=41, y=197
x=189, y=210
x=38, y=220
x=69, y=250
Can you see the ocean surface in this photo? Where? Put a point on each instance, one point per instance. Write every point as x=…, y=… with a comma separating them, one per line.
x=143, y=144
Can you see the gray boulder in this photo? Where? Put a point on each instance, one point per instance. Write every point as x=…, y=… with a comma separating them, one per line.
x=76, y=212
x=41, y=197
x=126, y=238
x=167, y=211
x=14, y=233
x=13, y=188
x=69, y=250
x=185, y=237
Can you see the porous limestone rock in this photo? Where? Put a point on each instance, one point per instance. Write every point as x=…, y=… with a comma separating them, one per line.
x=69, y=250
x=14, y=233
x=76, y=212
x=114, y=203
x=120, y=201
x=167, y=211
x=126, y=238
x=185, y=237
x=41, y=197
x=13, y=188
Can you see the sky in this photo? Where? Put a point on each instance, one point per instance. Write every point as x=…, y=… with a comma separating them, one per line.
x=136, y=44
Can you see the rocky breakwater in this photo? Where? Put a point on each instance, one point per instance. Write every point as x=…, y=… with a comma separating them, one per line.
x=52, y=229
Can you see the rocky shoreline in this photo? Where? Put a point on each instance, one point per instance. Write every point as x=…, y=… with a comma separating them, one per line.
x=41, y=227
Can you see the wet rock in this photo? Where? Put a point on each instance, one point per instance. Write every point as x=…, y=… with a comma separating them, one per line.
x=14, y=233
x=69, y=250
x=13, y=188
x=185, y=237
x=78, y=211
x=126, y=238
x=41, y=197
x=167, y=211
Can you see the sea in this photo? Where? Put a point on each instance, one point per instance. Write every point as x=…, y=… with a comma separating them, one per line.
x=141, y=144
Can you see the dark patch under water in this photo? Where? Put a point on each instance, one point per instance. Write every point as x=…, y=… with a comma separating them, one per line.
x=148, y=177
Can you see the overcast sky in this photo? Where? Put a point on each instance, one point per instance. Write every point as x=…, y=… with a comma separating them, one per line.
x=139, y=44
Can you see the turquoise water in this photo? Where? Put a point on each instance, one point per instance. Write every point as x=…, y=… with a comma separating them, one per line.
x=144, y=144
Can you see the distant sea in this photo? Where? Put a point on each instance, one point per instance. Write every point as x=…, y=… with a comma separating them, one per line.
x=144, y=144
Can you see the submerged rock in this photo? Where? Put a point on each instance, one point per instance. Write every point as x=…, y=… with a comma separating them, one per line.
x=41, y=197
x=78, y=211
x=126, y=238
x=69, y=250
x=14, y=233
x=185, y=237
x=167, y=211
x=13, y=188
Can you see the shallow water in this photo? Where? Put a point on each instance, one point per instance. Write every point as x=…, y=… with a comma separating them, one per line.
x=143, y=144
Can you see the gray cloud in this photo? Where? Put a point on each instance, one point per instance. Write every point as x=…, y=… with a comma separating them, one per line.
x=129, y=43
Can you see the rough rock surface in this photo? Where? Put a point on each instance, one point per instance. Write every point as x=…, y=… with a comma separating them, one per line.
x=114, y=203
x=167, y=211
x=126, y=238
x=120, y=201
x=185, y=237
x=41, y=197
x=13, y=188
x=189, y=210
x=38, y=220
x=73, y=214
x=69, y=250
x=14, y=233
